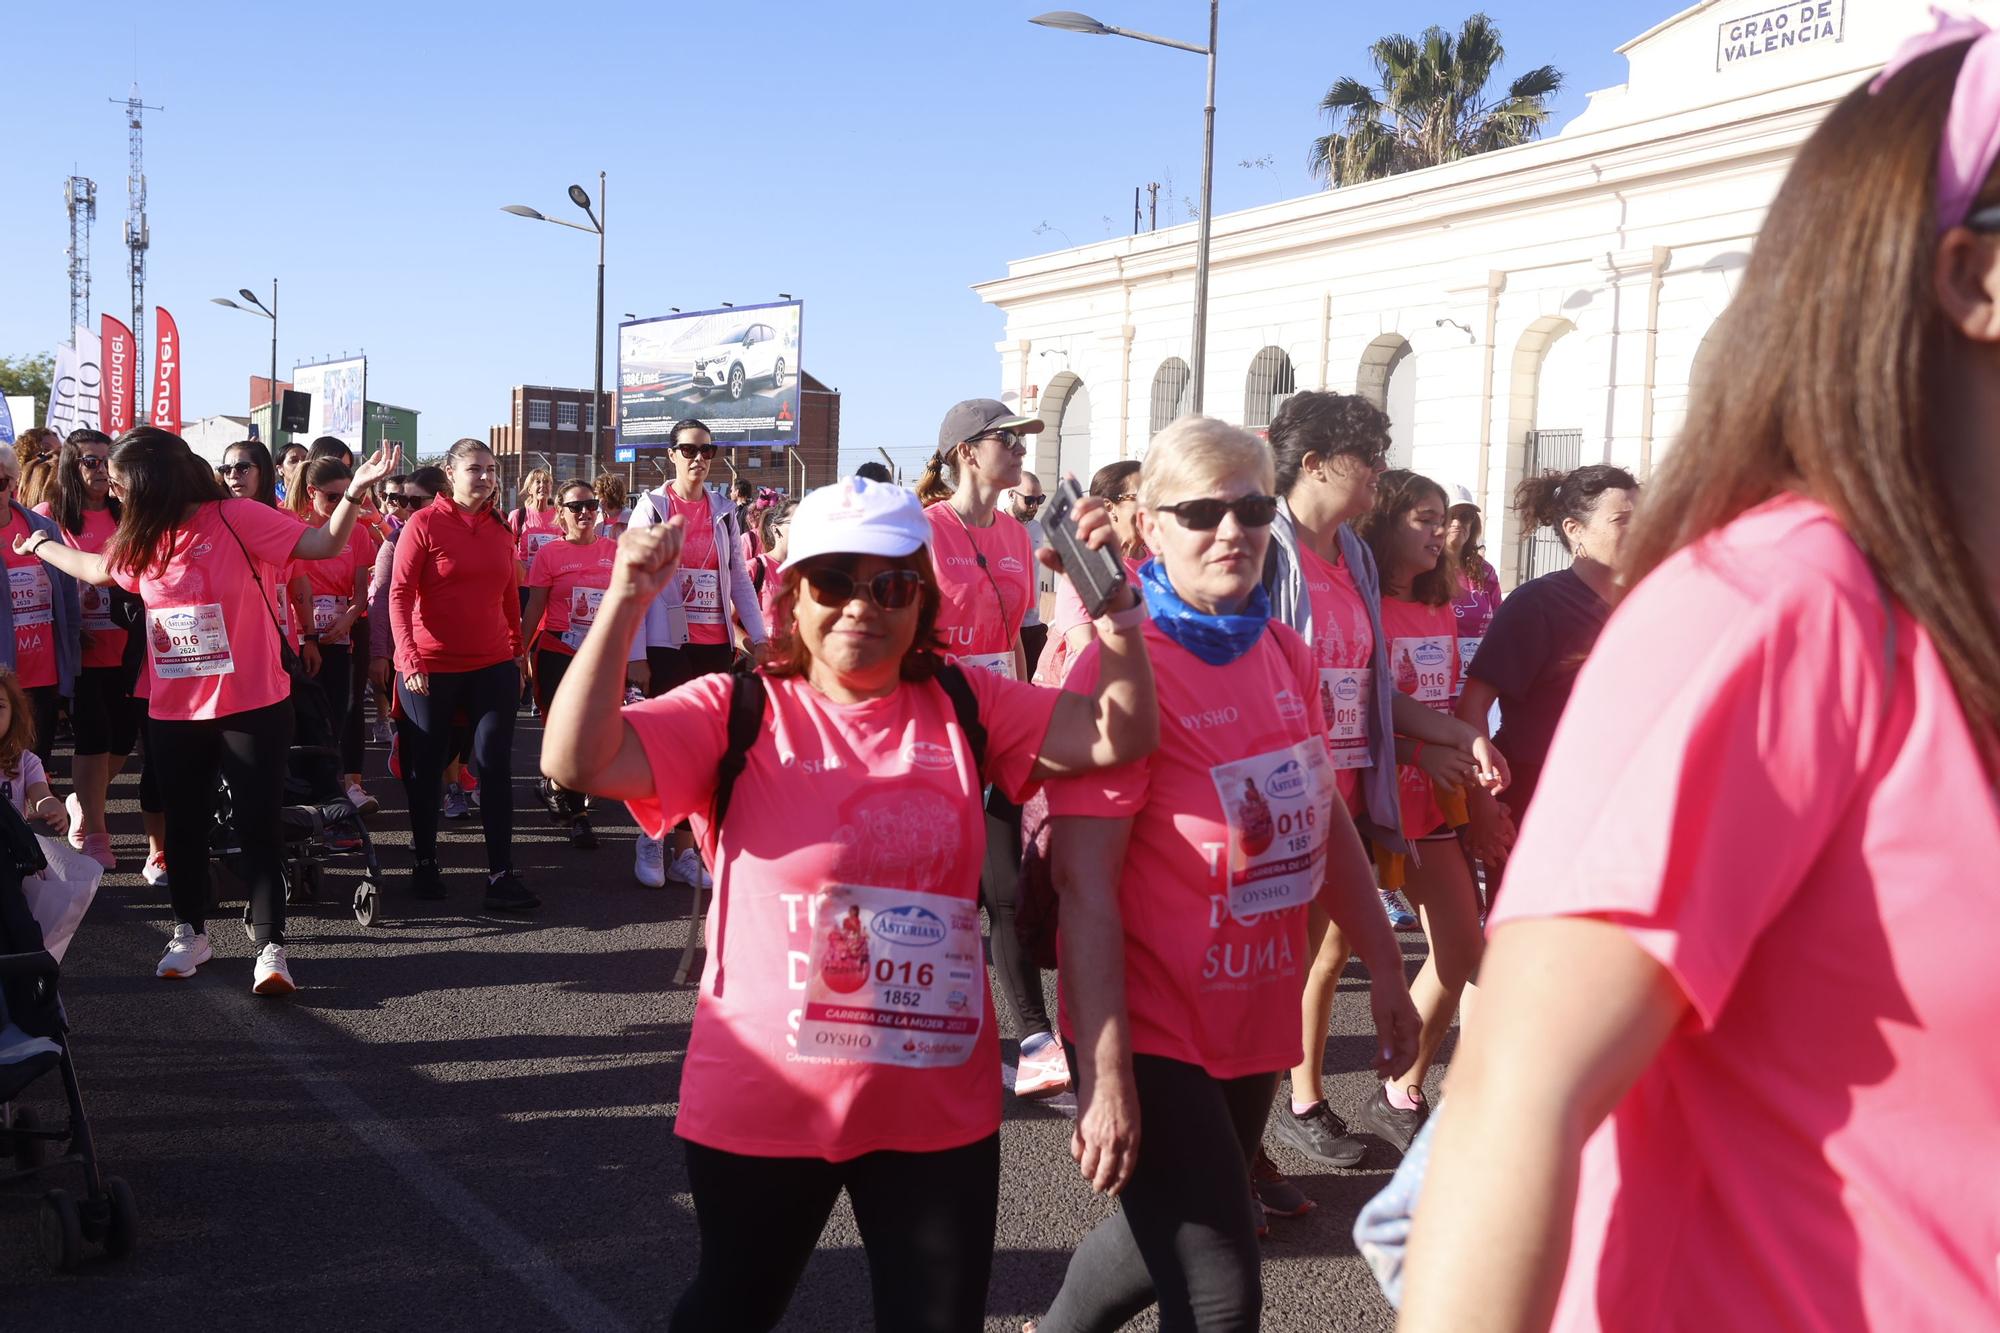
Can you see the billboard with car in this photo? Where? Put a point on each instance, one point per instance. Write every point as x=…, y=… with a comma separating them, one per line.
x=737, y=369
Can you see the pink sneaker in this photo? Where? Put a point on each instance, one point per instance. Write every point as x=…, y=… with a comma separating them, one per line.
x=97, y=846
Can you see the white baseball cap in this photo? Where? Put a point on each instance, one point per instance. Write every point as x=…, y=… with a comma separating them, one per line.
x=1462, y=495
x=855, y=516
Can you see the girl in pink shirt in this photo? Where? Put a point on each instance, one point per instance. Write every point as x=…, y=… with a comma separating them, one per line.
x=844, y=1036
x=566, y=584
x=1735, y=1066
x=208, y=570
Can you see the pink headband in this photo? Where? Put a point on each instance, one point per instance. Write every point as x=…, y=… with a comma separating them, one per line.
x=1971, y=142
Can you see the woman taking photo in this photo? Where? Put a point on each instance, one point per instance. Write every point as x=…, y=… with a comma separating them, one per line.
x=103, y=713
x=457, y=628
x=1737, y=1016
x=1184, y=881
x=220, y=709
x=566, y=585
x=1539, y=639
x=853, y=841
x=1070, y=630
x=41, y=635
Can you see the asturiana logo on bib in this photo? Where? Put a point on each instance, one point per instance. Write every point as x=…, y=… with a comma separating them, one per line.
x=1288, y=781
x=1290, y=706
x=927, y=754
x=915, y=926
x=1347, y=690
x=1430, y=654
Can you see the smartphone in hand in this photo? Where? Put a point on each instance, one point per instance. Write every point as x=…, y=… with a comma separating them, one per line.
x=1096, y=574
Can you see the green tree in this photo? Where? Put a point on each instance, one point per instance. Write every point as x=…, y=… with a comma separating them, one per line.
x=28, y=375
x=1429, y=106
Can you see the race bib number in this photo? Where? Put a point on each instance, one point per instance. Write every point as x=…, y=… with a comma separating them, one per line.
x=1423, y=669
x=1343, y=697
x=1277, y=805
x=96, y=606
x=583, y=604
x=189, y=641
x=29, y=586
x=535, y=541
x=1000, y=664
x=896, y=977
x=701, y=594
x=1467, y=650
x=328, y=608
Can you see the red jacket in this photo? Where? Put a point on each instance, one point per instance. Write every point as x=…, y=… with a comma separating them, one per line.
x=454, y=599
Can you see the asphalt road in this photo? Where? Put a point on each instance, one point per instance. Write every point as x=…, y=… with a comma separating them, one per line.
x=464, y=1121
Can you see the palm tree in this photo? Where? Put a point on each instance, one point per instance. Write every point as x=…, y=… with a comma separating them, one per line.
x=1430, y=106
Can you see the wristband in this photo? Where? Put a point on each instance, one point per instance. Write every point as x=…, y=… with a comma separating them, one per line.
x=309, y=638
x=1131, y=617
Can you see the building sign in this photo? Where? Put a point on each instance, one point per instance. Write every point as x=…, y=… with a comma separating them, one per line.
x=1772, y=32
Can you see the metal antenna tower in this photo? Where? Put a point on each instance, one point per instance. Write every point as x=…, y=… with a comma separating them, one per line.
x=138, y=236
x=81, y=196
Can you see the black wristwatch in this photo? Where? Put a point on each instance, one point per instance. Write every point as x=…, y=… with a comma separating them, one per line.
x=309, y=638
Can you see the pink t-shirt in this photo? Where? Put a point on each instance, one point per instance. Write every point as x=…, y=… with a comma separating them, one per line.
x=211, y=648
x=767, y=595
x=1474, y=609
x=576, y=576
x=1343, y=648
x=1228, y=846
x=701, y=572
x=847, y=886
x=331, y=583
x=538, y=528
x=103, y=641
x=1804, y=838
x=983, y=608
x=1423, y=663
x=33, y=594
x=1054, y=667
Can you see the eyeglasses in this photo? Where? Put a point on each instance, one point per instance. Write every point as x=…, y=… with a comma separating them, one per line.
x=694, y=451
x=1985, y=220
x=1007, y=438
x=332, y=498
x=580, y=506
x=892, y=589
x=227, y=469
x=90, y=463
x=400, y=500
x=1123, y=496
x=1205, y=515
x=1032, y=501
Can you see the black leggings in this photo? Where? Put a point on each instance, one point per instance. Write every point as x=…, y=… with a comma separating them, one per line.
x=671, y=668
x=489, y=697
x=1185, y=1235
x=336, y=679
x=248, y=751
x=926, y=1220
x=104, y=714
x=550, y=667
x=1000, y=893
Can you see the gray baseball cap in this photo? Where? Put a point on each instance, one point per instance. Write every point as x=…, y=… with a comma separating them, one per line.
x=975, y=416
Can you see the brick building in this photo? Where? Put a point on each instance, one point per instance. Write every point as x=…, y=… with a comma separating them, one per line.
x=557, y=424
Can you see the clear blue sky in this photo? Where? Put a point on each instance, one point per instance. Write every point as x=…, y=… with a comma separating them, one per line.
x=874, y=159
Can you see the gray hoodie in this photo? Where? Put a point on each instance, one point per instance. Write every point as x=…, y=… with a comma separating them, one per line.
x=666, y=619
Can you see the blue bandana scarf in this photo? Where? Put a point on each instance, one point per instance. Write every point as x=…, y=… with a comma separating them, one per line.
x=1216, y=640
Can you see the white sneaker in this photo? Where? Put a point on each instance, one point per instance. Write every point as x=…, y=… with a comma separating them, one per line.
x=1044, y=1073
x=689, y=870
x=363, y=803
x=75, y=808
x=186, y=951
x=649, y=862
x=155, y=871
x=272, y=977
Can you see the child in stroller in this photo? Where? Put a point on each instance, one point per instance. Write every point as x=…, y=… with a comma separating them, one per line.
x=319, y=824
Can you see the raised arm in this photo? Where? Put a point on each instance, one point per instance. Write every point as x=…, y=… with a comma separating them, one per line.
x=1120, y=721
x=83, y=566
x=326, y=542
x=1087, y=858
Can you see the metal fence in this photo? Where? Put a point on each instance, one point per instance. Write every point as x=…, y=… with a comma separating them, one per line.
x=1548, y=451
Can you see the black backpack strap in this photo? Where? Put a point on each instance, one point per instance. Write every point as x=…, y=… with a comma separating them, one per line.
x=746, y=719
x=966, y=704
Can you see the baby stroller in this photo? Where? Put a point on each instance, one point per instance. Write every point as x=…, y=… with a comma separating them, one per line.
x=34, y=1042
x=319, y=824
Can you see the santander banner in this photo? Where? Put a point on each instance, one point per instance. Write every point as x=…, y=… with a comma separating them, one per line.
x=166, y=372
x=121, y=385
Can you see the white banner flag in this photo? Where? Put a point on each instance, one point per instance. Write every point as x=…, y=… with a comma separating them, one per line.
x=77, y=387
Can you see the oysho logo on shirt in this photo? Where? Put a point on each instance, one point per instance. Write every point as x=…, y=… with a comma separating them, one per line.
x=1290, y=706
x=1430, y=654
x=917, y=927
x=1214, y=717
x=927, y=754
x=1287, y=781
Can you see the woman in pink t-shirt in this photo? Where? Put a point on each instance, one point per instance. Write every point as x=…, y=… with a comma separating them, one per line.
x=208, y=570
x=566, y=584
x=1735, y=1067
x=1070, y=630
x=776, y=526
x=1184, y=881
x=844, y=1034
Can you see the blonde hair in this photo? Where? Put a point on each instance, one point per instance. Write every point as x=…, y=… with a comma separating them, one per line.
x=940, y=477
x=544, y=477
x=1197, y=451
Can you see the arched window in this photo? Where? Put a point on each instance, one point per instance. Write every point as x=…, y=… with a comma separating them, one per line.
x=1171, y=385
x=1270, y=380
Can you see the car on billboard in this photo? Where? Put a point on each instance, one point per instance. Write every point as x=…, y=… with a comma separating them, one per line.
x=747, y=352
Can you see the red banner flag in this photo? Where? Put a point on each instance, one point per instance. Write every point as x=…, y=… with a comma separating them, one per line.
x=166, y=372
x=121, y=385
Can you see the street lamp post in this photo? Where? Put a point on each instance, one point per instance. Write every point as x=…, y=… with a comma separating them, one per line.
x=269, y=312
x=581, y=198
x=1070, y=21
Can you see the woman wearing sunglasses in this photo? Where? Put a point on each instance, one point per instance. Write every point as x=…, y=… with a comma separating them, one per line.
x=844, y=1036
x=1184, y=880
x=688, y=628
x=41, y=634
x=567, y=581
x=338, y=588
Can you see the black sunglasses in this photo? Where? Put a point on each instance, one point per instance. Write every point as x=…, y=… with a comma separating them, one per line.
x=1009, y=438
x=400, y=500
x=694, y=451
x=91, y=463
x=892, y=589
x=1032, y=501
x=1985, y=220
x=1205, y=515
x=580, y=506
x=227, y=469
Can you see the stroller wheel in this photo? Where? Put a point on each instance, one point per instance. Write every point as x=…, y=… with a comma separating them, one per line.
x=121, y=1228
x=367, y=902
x=29, y=1153
x=60, y=1230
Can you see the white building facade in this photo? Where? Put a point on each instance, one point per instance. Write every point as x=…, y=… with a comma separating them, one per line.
x=1541, y=306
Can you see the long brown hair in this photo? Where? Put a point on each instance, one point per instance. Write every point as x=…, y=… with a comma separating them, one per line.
x=1398, y=493
x=163, y=481
x=67, y=495
x=1835, y=349
x=926, y=652
x=19, y=738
